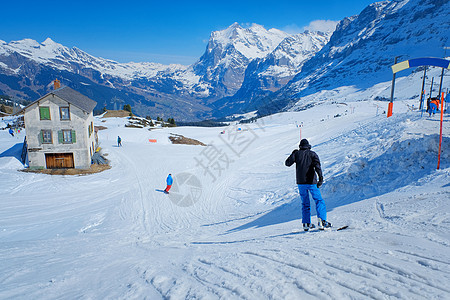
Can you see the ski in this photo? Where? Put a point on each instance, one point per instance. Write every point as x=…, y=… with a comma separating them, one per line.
x=342, y=228
x=317, y=229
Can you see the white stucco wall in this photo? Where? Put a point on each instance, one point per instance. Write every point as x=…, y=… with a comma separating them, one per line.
x=79, y=121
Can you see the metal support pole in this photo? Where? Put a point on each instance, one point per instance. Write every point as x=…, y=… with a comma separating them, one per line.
x=391, y=103
x=423, y=86
x=440, y=85
x=431, y=88
x=440, y=134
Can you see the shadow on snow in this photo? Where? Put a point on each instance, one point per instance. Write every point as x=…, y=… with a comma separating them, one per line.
x=14, y=151
x=282, y=214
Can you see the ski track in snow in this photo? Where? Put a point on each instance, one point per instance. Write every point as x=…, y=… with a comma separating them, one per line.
x=113, y=235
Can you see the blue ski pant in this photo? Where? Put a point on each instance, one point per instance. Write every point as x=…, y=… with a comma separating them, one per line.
x=305, y=190
x=433, y=108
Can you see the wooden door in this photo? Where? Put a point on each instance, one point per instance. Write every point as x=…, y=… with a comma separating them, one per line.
x=59, y=160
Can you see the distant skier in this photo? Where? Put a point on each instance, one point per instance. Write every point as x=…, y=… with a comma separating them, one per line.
x=434, y=106
x=307, y=165
x=119, y=141
x=169, y=182
x=447, y=103
x=11, y=131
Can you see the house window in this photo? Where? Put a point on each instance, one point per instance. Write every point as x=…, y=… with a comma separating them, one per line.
x=44, y=112
x=90, y=129
x=64, y=113
x=46, y=137
x=67, y=136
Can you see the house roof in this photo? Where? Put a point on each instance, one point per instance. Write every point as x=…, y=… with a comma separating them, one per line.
x=71, y=96
x=75, y=98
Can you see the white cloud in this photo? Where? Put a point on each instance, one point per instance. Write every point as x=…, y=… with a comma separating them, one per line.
x=292, y=29
x=321, y=25
x=317, y=25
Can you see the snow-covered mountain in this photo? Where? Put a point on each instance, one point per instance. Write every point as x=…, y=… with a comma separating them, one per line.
x=230, y=51
x=27, y=69
x=223, y=64
x=290, y=55
x=270, y=73
x=57, y=56
x=173, y=89
x=362, y=49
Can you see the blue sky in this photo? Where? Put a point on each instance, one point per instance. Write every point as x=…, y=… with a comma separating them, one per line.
x=162, y=31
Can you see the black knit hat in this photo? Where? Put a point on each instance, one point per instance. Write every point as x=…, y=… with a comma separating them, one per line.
x=304, y=144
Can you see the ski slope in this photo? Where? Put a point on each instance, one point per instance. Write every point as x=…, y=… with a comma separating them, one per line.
x=232, y=230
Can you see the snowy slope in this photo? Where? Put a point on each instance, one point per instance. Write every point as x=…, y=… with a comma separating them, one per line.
x=232, y=234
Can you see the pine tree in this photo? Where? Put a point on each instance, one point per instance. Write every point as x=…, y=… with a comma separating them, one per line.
x=127, y=107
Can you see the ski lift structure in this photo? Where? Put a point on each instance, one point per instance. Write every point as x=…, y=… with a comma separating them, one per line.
x=431, y=88
x=117, y=102
x=419, y=62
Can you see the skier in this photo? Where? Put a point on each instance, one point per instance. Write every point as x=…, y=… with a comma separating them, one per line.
x=11, y=131
x=169, y=182
x=434, y=106
x=307, y=165
x=119, y=141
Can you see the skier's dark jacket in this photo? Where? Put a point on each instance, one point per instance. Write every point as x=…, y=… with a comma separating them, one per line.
x=307, y=164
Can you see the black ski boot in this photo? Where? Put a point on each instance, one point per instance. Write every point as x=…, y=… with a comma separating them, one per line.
x=323, y=224
x=308, y=226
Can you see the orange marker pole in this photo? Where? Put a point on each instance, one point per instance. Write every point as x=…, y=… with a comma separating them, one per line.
x=390, y=108
x=440, y=135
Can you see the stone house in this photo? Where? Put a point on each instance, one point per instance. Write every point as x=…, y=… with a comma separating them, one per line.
x=60, y=130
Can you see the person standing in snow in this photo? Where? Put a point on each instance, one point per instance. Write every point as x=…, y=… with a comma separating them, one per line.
x=11, y=131
x=169, y=182
x=119, y=141
x=447, y=103
x=307, y=165
x=434, y=106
